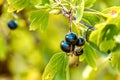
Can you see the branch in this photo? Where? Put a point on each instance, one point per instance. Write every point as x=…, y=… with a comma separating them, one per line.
x=65, y=12
x=74, y=18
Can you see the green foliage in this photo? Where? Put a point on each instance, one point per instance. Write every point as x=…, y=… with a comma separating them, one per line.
x=39, y=19
x=3, y=48
x=56, y=68
x=108, y=32
x=34, y=2
x=89, y=3
x=115, y=60
x=31, y=50
x=90, y=55
x=45, y=1
x=113, y=15
x=92, y=18
x=80, y=10
x=107, y=45
x=17, y=4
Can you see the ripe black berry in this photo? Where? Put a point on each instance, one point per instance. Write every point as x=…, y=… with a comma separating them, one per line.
x=78, y=51
x=66, y=47
x=80, y=42
x=12, y=24
x=71, y=38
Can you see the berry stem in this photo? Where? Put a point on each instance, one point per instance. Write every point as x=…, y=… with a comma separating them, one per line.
x=71, y=48
x=70, y=19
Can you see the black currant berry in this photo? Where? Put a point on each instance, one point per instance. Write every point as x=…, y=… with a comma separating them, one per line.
x=71, y=38
x=80, y=42
x=78, y=51
x=66, y=47
x=12, y=24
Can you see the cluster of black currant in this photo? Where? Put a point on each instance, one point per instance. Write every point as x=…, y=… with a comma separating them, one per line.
x=12, y=24
x=72, y=40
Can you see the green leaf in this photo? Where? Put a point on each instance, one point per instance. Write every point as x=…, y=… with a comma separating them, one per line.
x=93, y=36
x=45, y=1
x=115, y=60
x=107, y=45
x=89, y=3
x=108, y=10
x=2, y=48
x=96, y=48
x=80, y=10
x=111, y=31
x=108, y=32
x=89, y=55
x=113, y=16
x=39, y=19
x=34, y=2
x=56, y=69
x=44, y=4
x=92, y=18
x=17, y=5
x=117, y=48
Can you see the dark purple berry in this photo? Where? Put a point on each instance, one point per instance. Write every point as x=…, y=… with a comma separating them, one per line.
x=12, y=24
x=78, y=51
x=66, y=47
x=71, y=38
x=80, y=42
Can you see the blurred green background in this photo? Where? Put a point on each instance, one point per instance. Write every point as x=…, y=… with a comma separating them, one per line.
x=24, y=54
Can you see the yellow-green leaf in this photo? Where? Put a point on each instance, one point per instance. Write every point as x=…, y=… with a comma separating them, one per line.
x=39, y=19
x=45, y=1
x=89, y=3
x=34, y=2
x=17, y=5
x=80, y=10
x=56, y=68
x=107, y=45
x=108, y=32
x=115, y=60
x=90, y=55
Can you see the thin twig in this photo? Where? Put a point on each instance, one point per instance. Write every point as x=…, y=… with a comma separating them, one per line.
x=65, y=12
x=70, y=19
x=89, y=26
x=74, y=18
x=63, y=7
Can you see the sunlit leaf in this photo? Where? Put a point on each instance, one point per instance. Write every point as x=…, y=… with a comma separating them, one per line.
x=80, y=9
x=56, y=68
x=115, y=60
x=17, y=5
x=89, y=3
x=93, y=36
x=117, y=47
x=34, y=2
x=90, y=55
x=107, y=45
x=96, y=48
x=92, y=18
x=108, y=10
x=45, y=1
x=39, y=19
x=108, y=32
x=113, y=15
